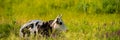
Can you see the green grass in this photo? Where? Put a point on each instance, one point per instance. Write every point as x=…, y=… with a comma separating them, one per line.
x=81, y=24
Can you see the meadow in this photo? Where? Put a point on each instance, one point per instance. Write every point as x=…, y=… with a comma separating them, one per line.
x=85, y=19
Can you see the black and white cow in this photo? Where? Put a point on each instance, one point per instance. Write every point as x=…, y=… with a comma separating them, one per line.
x=48, y=28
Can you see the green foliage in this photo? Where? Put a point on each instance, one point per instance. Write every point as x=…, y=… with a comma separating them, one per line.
x=4, y=30
x=110, y=6
x=85, y=19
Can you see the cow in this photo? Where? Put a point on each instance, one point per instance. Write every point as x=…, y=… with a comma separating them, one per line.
x=46, y=29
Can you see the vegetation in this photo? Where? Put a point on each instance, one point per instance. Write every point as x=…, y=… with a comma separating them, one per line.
x=85, y=19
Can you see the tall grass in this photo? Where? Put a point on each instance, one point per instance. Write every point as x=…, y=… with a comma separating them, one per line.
x=85, y=19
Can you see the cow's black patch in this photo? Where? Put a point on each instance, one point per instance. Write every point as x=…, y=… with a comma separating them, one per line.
x=60, y=23
x=45, y=28
x=25, y=31
x=36, y=23
x=32, y=25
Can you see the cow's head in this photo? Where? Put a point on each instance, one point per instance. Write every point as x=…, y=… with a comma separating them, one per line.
x=58, y=24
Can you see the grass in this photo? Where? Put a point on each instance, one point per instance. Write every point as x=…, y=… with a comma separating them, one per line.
x=81, y=25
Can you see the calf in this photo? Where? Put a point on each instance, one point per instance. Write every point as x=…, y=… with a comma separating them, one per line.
x=47, y=29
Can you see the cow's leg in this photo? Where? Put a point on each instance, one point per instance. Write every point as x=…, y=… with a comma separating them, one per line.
x=28, y=34
x=35, y=33
x=23, y=35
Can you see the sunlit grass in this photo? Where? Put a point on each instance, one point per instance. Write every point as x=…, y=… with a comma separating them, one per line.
x=81, y=24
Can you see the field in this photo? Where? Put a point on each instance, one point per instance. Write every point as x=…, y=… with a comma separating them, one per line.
x=85, y=19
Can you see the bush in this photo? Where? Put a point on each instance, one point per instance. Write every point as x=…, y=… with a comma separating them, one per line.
x=109, y=6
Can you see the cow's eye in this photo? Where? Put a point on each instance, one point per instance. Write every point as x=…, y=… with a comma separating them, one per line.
x=60, y=23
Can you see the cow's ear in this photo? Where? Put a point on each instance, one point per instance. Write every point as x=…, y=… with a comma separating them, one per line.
x=60, y=15
x=57, y=16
